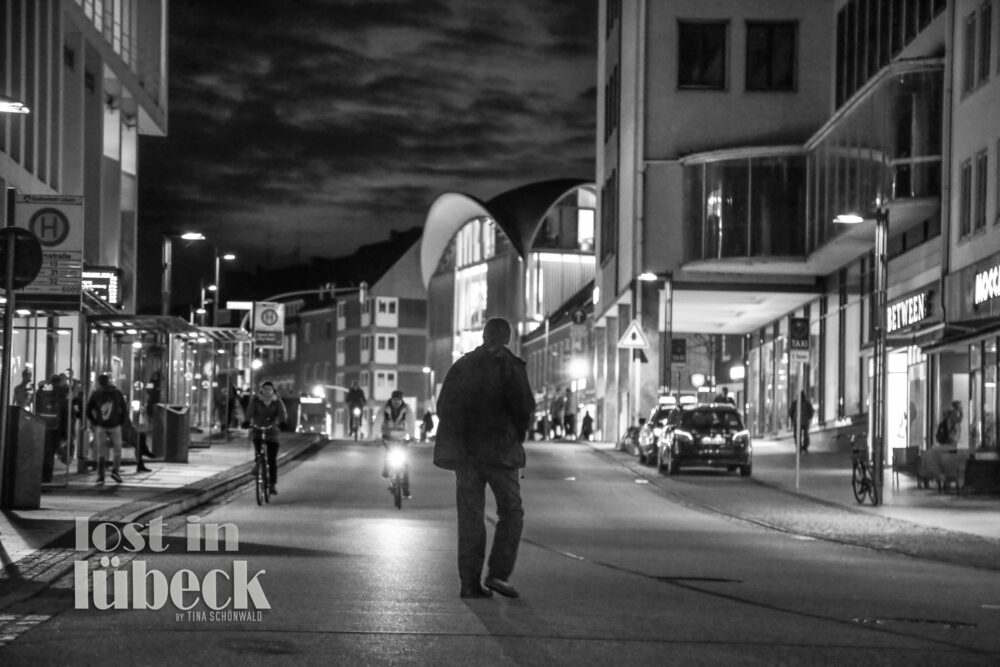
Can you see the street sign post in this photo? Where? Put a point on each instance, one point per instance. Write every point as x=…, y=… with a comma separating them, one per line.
x=798, y=353
x=268, y=324
x=57, y=221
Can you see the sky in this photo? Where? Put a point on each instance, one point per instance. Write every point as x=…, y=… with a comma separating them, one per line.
x=307, y=128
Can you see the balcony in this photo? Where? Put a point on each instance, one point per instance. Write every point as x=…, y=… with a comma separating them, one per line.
x=770, y=210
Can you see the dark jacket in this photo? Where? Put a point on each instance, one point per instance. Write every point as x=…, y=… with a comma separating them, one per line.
x=106, y=407
x=266, y=416
x=484, y=408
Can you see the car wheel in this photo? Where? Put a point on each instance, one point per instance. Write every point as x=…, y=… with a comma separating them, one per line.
x=673, y=466
x=659, y=461
x=747, y=470
x=731, y=468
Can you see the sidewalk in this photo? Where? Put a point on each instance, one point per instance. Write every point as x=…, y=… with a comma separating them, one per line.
x=826, y=476
x=36, y=545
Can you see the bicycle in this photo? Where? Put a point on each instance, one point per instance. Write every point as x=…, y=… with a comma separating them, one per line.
x=862, y=479
x=260, y=469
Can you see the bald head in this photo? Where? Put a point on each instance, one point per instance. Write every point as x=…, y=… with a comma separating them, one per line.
x=496, y=332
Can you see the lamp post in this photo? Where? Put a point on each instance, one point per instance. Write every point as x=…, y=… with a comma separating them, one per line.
x=218, y=284
x=168, y=250
x=7, y=105
x=877, y=439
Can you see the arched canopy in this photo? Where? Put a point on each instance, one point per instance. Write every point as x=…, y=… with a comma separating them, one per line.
x=519, y=213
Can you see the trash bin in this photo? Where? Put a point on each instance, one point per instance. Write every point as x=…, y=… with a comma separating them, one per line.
x=22, y=471
x=174, y=432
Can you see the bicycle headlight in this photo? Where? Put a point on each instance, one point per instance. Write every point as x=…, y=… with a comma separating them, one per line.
x=397, y=457
x=356, y=412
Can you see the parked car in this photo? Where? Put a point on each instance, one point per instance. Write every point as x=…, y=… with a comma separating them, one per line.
x=649, y=434
x=705, y=436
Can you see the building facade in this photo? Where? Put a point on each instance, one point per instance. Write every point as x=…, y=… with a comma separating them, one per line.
x=732, y=136
x=521, y=255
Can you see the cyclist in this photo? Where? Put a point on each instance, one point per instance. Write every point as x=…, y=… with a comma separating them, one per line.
x=395, y=423
x=265, y=413
x=355, y=399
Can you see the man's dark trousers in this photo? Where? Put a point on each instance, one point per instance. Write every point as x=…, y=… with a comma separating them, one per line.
x=471, y=481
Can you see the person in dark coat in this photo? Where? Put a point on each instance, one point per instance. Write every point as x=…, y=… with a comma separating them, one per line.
x=266, y=413
x=802, y=432
x=484, y=410
x=107, y=411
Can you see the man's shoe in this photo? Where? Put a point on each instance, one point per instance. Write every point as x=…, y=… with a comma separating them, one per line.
x=407, y=496
x=475, y=591
x=273, y=490
x=115, y=476
x=143, y=469
x=502, y=587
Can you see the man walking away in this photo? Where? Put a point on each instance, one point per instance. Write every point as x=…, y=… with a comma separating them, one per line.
x=485, y=408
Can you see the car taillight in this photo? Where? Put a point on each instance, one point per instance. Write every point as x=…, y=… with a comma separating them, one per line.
x=683, y=437
x=742, y=439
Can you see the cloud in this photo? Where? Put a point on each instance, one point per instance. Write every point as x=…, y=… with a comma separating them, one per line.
x=354, y=115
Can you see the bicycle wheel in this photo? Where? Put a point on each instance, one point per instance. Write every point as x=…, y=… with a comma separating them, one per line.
x=258, y=482
x=397, y=494
x=265, y=480
x=873, y=492
x=858, y=482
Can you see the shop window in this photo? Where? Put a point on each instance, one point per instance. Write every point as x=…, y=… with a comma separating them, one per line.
x=701, y=55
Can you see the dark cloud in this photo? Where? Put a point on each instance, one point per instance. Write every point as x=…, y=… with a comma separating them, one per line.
x=354, y=115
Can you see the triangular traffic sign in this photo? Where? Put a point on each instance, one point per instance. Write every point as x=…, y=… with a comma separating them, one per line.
x=633, y=338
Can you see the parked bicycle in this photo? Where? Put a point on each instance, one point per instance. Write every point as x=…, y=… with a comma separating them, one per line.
x=862, y=473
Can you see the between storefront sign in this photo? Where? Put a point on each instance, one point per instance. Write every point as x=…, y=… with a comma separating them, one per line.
x=907, y=312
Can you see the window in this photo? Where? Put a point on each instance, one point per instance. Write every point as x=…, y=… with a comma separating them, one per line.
x=985, y=39
x=969, y=64
x=982, y=171
x=701, y=57
x=386, y=342
x=306, y=331
x=771, y=53
x=340, y=346
x=965, y=200
x=341, y=309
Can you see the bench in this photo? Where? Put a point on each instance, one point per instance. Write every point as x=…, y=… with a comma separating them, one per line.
x=905, y=460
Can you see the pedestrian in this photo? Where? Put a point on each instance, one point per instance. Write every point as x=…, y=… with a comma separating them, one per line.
x=266, y=412
x=484, y=410
x=356, y=402
x=801, y=432
x=427, y=426
x=24, y=393
x=724, y=397
x=569, y=415
x=949, y=430
x=557, y=409
x=153, y=397
x=107, y=411
x=394, y=423
x=587, y=427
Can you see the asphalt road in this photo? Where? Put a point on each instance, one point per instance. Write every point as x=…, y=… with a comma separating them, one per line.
x=613, y=569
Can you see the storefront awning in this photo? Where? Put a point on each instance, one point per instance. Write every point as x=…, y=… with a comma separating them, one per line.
x=948, y=335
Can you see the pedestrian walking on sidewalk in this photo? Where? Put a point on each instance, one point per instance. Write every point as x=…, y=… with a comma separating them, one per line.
x=484, y=409
x=107, y=411
x=266, y=412
x=802, y=430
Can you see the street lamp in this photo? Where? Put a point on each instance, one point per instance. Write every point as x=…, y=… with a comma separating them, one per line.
x=878, y=354
x=168, y=248
x=10, y=105
x=218, y=284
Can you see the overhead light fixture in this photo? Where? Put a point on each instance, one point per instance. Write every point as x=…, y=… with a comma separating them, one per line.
x=648, y=276
x=193, y=236
x=848, y=219
x=10, y=105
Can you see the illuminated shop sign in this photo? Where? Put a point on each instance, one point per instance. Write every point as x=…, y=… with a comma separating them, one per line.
x=103, y=283
x=987, y=285
x=906, y=312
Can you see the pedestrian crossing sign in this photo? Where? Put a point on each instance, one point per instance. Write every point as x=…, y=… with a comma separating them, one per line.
x=633, y=338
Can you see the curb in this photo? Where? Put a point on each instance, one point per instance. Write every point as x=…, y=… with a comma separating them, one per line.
x=32, y=575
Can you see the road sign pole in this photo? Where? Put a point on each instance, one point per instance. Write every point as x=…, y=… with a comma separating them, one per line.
x=8, y=335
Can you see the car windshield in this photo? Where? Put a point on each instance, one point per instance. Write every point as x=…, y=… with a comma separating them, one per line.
x=705, y=419
x=661, y=415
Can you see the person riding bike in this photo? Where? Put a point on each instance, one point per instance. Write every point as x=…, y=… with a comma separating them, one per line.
x=394, y=424
x=355, y=399
x=265, y=413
